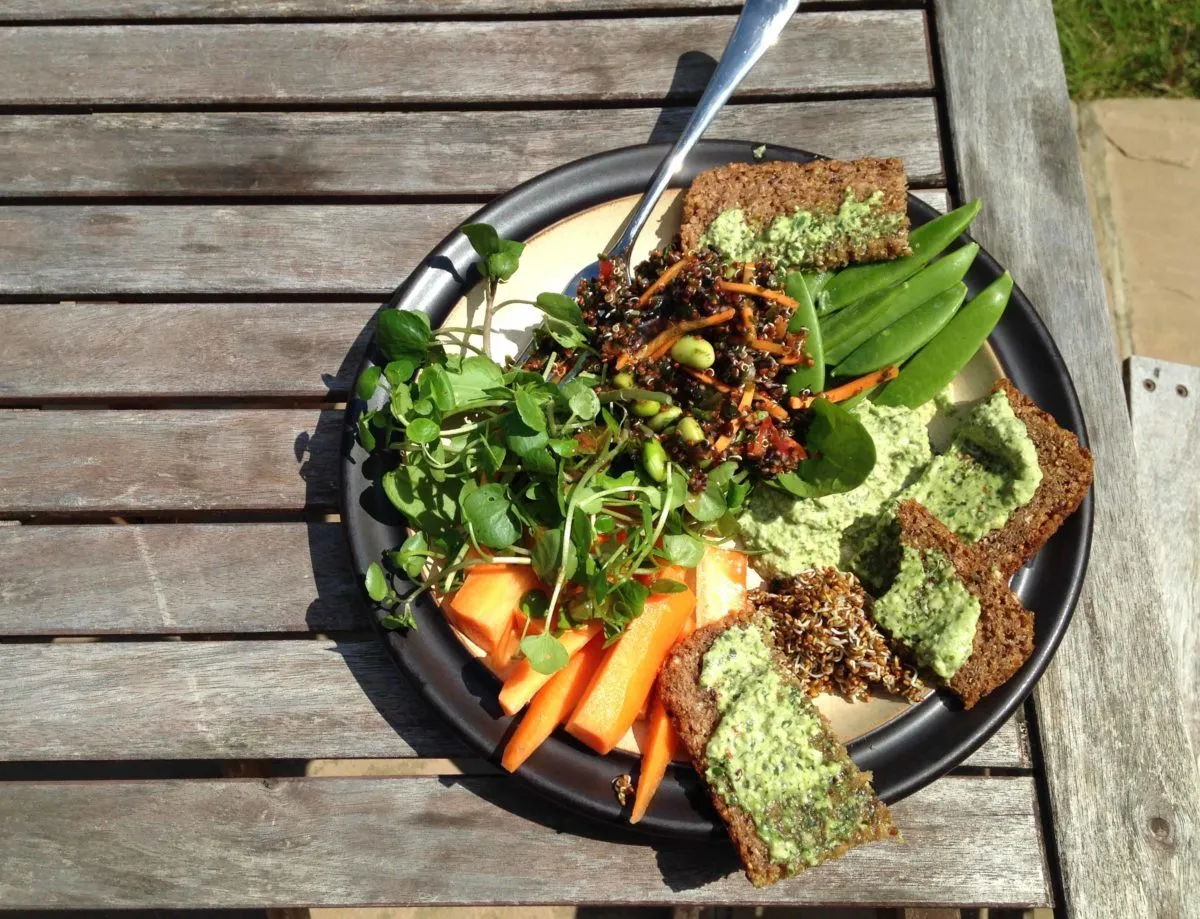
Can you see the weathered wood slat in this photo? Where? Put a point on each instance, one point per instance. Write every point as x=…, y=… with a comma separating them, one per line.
x=435, y=841
x=51, y=10
x=483, y=153
x=447, y=62
x=212, y=700
x=247, y=249
x=181, y=350
x=236, y=699
x=164, y=579
x=1124, y=787
x=1164, y=405
x=133, y=462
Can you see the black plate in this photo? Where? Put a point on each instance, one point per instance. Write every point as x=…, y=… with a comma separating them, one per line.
x=907, y=752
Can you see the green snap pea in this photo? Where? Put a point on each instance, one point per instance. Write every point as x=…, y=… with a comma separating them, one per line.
x=693, y=351
x=689, y=431
x=623, y=381
x=933, y=367
x=816, y=281
x=927, y=242
x=849, y=329
x=665, y=418
x=899, y=341
x=654, y=460
x=646, y=408
x=805, y=317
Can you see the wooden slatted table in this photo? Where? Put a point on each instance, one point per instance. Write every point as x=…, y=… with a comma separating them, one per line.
x=205, y=201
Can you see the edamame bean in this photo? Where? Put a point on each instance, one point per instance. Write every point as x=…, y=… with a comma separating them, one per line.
x=623, y=381
x=935, y=365
x=693, y=351
x=899, y=341
x=849, y=329
x=654, y=460
x=805, y=317
x=926, y=241
x=665, y=418
x=646, y=408
x=689, y=431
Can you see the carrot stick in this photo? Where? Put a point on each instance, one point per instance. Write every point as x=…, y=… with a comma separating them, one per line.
x=774, y=409
x=662, y=744
x=747, y=398
x=524, y=682
x=661, y=343
x=750, y=290
x=848, y=390
x=710, y=380
x=551, y=706
x=663, y=280
x=625, y=678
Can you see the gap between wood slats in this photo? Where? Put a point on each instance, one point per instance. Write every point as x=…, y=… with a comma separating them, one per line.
x=79, y=252
x=445, y=62
x=72, y=12
x=475, y=154
x=342, y=841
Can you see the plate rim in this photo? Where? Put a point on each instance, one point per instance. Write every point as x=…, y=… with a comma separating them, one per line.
x=681, y=809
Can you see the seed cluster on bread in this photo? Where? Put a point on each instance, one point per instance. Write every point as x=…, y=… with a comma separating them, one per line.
x=769, y=190
x=694, y=713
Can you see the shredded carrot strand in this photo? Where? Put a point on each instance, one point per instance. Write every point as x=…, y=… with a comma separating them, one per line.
x=663, y=280
x=722, y=443
x=747, y=272
x=790, y=360
x=773, y=408
x=851, y=389
x=747, y=398
x=751, y=290
x=661, y=343
x=710, y=380
x=748, y=319
x=771, y=347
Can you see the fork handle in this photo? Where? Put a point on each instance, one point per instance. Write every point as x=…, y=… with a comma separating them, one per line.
x=756, y=30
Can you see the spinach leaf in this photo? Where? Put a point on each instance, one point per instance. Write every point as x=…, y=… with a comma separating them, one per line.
x=841, y=454
x=401, y=333
x=488, y=512
x=535, y=603
x=683, y=549
x=475, y=377
x=667, y=586
x=412, y=554
x=547, y=556
x=581, y=400
x=376, y=582
x=522, y=439
x=364, y=388
x=423, y=431
x=560, y=307
x=483, y=238
x=530, y=411
x=429, y=506
x=435, y=384
x=401, y=370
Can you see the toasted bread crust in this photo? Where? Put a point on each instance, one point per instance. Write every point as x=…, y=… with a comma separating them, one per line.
x=1004, y=635
x=1066, y=478
x=768, y=190
x=693, y=712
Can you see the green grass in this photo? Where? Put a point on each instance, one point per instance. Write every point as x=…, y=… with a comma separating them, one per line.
x=1130, y=47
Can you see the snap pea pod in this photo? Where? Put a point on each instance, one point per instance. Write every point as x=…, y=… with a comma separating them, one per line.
x=805, y=317
x=845, y=332
x=927, y=242
x=816, y=281
x=935, y=365
x=900, y=341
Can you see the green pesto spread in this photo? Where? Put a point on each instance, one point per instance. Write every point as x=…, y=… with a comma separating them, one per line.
x=990, y=470
x=794, y=534
x=931, y=611
x=801, y=238
x=772, y=756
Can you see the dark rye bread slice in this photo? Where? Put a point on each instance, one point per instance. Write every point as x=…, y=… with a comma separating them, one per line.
x=693, y=712
x=768, y=190
x=1066, y=478
x=1004, y=635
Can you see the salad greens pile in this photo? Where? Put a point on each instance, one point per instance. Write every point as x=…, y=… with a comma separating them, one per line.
x=493, y=464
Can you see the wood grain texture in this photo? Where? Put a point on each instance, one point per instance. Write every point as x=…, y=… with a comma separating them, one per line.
x=237, y=699
x=198, y=250
x=1164, y=405
x=181, y=350
x=447, y=62
x=341, y=841
x=482, y=153
x=212, y=700
x=108, y=251
x=133, y=462
x=176, y=579
x=51, y=10
x=1124, y=790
